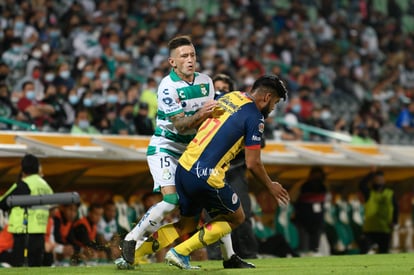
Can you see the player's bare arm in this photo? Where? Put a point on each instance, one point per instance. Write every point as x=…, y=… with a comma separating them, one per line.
x=255, y=165
x=184, y=123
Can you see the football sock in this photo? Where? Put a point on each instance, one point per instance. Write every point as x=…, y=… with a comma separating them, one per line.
x=226, y=247
x=151, y=221
x=208, y=234
x=166, y=235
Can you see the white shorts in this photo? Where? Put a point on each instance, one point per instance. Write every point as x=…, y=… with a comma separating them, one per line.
x=162, y=167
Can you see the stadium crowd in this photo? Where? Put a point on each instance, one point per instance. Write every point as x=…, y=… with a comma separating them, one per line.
x=93, y=66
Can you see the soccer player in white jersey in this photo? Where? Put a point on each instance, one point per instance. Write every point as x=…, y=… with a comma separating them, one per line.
x=185, y=100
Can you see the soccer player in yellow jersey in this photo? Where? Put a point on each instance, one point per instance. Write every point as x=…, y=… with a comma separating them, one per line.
x=237, y=123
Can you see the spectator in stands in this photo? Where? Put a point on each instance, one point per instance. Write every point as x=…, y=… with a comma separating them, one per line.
x=316, y=120
x=124, y=123
x=143, y=124
x=34, y=76
x=149, y=96
x=63, y=77
x=82, y=123
x=63, y=220
x=85, y=42
x=361, y=52
x=110, y=108
x=30, y=182
x=405, y=120
x=16, y=58
x=35, y=112
x=309, y=197
x=290, y=131
x=58, y=118
x=87, y=248
x=7, y=109
x=4, y=74
x=381, y=212
x=108, y=231
x=360, y=134
x=305, y=102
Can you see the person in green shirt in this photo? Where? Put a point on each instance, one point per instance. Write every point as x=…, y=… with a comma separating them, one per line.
x=361, y=136
x=381, y=213
x=82, y=124
x=149, y=96
x=124, y=122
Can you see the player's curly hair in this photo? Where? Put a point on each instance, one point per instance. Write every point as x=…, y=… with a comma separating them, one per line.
x=273, y=84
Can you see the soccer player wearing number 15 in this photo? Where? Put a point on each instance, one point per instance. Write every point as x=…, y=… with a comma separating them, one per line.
x=237, y=123
x=185, y=100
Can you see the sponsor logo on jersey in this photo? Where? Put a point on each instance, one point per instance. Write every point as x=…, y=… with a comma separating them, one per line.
x=261, y=127
x=165, y=91
x=256, y=138
x=234, y=198
x=195, y=106
x=168, y=101
x=205, y=171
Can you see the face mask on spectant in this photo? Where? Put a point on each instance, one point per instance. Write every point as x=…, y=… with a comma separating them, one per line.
x=64, y=74
x=112, y=99
x=30, y=95
x=73, y=99
x=83, y=124
x=296, y=108
x=90, y=74
x=104, y=76
x=87, y=102
x=49, y=77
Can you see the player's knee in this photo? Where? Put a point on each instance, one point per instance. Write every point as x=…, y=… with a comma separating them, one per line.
x=237, y=219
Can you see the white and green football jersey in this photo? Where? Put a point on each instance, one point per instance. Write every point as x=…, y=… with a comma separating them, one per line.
x=178, y=96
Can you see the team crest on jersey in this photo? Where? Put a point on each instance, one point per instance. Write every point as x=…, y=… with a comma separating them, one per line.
x=203, y=89
x=261, y=127
x=166, y=175
x=234, y=198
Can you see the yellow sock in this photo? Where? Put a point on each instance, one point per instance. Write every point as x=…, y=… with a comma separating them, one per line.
x=161, y=238
x=208, y=234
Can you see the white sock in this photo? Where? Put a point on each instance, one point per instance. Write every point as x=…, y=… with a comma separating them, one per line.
x=151, y=221
x=226, y=247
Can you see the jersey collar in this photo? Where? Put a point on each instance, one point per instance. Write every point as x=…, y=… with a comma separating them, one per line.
x=174, y=76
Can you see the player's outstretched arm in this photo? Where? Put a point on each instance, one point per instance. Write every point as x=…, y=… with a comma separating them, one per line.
x=184, y=123
x=255, y=165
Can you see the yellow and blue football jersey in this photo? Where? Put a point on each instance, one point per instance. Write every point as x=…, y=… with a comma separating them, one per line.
x=236, y=123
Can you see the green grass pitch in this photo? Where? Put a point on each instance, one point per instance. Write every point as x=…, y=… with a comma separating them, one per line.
x=387, y=264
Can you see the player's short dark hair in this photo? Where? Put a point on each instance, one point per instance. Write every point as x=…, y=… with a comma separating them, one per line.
x=183, y=40
x=273, y=84
x=30, y=164
x=225, y=78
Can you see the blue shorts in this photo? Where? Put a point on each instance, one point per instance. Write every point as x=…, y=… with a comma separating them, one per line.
x=194, y=194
